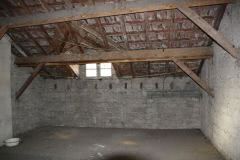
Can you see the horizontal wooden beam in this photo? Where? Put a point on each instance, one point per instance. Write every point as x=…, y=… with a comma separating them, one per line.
x=193, y=76
x=208, y=29
x=119, y=56
x=104, y=9
x=29, y=80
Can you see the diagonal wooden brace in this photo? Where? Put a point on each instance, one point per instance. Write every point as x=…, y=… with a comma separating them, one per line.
x=29, y=80
x=209, y=30
x=193, y=76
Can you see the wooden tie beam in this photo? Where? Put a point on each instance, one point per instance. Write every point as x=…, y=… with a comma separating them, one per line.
x=193, y=76
x=119, y=56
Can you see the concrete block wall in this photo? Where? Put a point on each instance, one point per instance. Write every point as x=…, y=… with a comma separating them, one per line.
x=92, y=103
x=221, y=114
x=25, y=110
x=161, y=103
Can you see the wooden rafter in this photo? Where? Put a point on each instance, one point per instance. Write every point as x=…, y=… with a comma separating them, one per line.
x=18, y=45
x=29, y=80
x=74, y=36
x=74, y=69
x=208, y=29
x=61, y=45
x=99, y=36
x=63, y=42
x=124, y=32
x=101, y=10
x=102, y=33
x=49, y=39
x=164, y=74
x=121, y=56
x=106, y=41
x=35, y=41
x=19, y=49
x=193, y=76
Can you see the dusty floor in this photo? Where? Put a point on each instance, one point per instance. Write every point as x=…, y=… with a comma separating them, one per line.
x=63, y=143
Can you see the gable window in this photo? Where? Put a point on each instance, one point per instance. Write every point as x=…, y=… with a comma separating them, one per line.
x=91, y=70
x=98, y=70
x=105, y=70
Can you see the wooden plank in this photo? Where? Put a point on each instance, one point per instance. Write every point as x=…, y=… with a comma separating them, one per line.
x=193, y=76
x=208, y=29
x=29, y=80
x=120, y=56
x=104, y=9
x=3, y=30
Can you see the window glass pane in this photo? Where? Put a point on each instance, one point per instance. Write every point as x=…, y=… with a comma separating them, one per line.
x=91, y=73
x=106, y=73
x=105, y=65
x=91, y=66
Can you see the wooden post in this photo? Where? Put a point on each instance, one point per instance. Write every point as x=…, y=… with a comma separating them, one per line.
x=29, y=80
x=193, y=76
x=208, y=29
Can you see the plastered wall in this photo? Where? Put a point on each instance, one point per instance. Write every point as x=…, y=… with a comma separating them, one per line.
x=221, y=114
x=5, y=90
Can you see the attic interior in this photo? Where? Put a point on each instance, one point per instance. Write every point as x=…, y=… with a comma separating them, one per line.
x=120, y=79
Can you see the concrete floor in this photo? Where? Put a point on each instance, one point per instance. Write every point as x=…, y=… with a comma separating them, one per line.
x=64, y=143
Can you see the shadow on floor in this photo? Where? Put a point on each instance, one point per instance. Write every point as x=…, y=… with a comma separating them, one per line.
x=121, y=157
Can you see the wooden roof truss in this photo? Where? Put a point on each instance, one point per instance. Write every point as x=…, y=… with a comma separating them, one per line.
x=54, y=28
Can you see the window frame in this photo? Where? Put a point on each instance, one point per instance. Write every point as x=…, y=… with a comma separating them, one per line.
x=91, y=69
x=98, y=71
x=101, y=68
